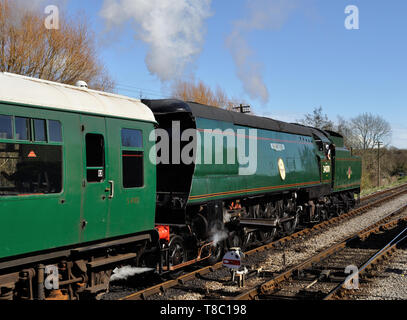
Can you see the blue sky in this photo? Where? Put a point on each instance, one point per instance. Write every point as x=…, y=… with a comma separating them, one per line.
x=309, y=59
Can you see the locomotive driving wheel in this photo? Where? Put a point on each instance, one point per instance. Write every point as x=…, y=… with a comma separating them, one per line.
x=289, y=226
x=177, y=252
x=267, y=211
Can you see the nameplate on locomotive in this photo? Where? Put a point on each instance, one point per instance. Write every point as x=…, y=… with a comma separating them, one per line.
x=277, y=146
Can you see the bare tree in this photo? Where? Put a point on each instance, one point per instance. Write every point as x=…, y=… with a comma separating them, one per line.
x=65, y=55
x=345, y=128
x=370, y=129
x=317, y=120
x=201, y=93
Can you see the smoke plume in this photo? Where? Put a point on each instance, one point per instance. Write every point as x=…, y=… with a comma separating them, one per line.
x=126, y=272
x=173, y=30
x=262, y=15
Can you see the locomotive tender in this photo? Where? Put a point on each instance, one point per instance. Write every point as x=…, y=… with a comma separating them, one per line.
x=80, y=188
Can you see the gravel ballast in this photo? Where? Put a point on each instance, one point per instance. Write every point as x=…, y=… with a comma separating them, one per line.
x=390, y=284
x=276, y=260
x=297, y=253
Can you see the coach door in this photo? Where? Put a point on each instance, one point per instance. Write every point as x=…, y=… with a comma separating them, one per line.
x=132, y=206
x=96, y=188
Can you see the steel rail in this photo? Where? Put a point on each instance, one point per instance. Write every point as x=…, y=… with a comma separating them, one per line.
x=387, y=250
x=269, y=286
x=379, y=193
x=160, y=288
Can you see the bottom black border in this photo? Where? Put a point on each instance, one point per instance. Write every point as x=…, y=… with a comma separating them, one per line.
x=150, y=310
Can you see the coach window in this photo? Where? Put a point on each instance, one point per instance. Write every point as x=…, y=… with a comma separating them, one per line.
x=22, y=128
x=132, y=138
x=95, y=158
x=30, y=169
x=132, y=158
x=55, y=131
x=133, y=172
x=6, y=127
x=40, y=130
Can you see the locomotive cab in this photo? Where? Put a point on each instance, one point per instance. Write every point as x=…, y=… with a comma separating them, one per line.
x=175, y=159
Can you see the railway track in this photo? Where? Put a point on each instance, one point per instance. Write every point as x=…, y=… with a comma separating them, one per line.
x=368, y=202
x=370, y=269
x=323, y=276
x=383, y=193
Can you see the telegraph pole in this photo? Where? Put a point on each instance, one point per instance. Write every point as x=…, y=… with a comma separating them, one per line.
x=243, y=109
x=378, y=162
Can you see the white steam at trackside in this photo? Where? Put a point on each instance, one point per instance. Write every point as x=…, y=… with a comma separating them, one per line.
x=174, y=30
x=262, y=15
x=126, y=272
x=218, y=236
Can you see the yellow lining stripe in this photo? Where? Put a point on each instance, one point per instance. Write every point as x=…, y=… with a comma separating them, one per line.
x=211, y=195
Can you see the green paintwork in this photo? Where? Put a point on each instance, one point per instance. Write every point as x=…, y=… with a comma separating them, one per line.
x=326, y=170
x=39, y=222
x=299, y=157
x=348, y=170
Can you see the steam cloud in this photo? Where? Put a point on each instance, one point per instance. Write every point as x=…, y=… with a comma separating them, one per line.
x=126, y=272
x=174, y=30
x=262, y=15
x=218, y=235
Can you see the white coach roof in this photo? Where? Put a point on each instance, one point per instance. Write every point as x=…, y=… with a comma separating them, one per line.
x=41, y=93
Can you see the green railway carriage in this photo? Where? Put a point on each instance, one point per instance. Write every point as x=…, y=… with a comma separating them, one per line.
x=75, y=173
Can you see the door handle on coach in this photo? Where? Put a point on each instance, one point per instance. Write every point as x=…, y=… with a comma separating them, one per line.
x=111, y=183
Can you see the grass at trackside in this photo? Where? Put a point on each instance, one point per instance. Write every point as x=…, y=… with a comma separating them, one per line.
x=388, y=186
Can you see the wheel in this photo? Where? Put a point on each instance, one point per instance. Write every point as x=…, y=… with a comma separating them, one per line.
x=267, y=236
x=177, y=252
x=200, y=226
x=217, y=252
x=247, y=240
x=324, y=215
x=267, y=211
x=290, y=226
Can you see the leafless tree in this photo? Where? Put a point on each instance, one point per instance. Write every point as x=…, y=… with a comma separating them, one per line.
x=371, y=129
x=65, y=55
x=317, y=120
x=345, y=128
x=201, y=93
